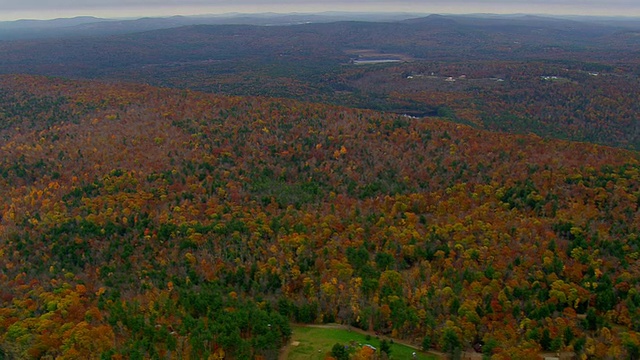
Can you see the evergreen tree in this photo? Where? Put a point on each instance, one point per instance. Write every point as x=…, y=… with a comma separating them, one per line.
x=385, y=347
x=339, y=352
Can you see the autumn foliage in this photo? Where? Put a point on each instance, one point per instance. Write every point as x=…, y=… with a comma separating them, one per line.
x=143, y=222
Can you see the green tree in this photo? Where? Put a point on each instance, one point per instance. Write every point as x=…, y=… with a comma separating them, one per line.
x=545, y=340
x=568, y=335
x=591, y=320
x=633, y=350
x=339, y=352
x=488, y=348
x=426, y=343
x=385, y=347
x=578, y=346
x=451, y=342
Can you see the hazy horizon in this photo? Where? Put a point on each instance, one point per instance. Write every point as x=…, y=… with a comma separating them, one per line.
x=41, y=10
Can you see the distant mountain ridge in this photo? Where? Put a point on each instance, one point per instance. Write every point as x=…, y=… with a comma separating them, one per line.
x=428, y=38
x=40, y=24
x=84, y=26
x=91, y=26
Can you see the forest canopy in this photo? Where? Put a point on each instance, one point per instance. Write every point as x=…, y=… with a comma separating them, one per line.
x=145, y=222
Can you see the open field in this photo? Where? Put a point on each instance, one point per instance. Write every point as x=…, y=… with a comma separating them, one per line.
x=316, y=343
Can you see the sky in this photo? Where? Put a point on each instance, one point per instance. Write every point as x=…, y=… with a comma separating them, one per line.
x=51, y=9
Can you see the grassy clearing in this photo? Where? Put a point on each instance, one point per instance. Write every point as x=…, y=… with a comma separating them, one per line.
x=316, y=343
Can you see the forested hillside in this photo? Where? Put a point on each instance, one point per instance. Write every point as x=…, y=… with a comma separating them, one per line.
x=143, y=222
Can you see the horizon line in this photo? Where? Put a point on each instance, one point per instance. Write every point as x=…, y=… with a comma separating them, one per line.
x=345, y=12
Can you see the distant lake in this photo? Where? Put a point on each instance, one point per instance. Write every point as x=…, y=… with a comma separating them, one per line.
x=381, y=61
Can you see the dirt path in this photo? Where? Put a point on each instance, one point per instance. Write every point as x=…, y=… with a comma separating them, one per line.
x=284, y=353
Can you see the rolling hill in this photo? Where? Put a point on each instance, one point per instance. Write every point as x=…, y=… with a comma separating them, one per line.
x=140, y=222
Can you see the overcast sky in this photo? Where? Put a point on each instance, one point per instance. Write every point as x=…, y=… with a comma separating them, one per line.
x=49, y=9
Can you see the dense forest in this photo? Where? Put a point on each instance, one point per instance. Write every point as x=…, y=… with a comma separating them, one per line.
x=144, y=222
